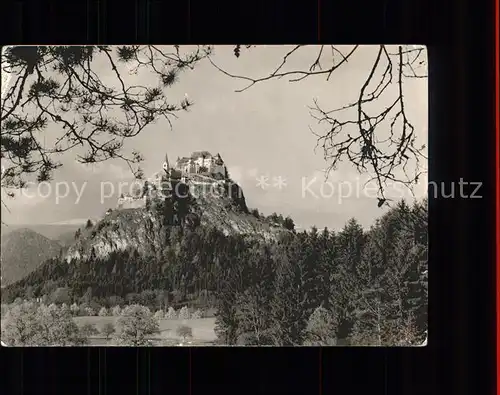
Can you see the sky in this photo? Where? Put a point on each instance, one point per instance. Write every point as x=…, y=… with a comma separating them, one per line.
x=264, y=131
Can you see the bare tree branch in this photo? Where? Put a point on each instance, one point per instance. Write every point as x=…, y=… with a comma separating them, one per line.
x=357, y=138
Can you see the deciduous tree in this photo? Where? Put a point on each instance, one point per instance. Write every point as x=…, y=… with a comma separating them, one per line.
x=30, y=324
x=184, y=331
x=88, y=330
x=108, y=329
x=135, y=325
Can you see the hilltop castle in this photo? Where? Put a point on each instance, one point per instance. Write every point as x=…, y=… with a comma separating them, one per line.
x=201, y=163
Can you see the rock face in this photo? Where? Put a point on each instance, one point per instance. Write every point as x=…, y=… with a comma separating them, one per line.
x=138, y=229
x=220, y=205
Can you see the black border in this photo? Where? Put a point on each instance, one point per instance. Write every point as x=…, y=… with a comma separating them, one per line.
x=460, y=355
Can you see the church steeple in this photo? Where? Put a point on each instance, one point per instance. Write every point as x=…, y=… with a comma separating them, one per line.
x=166, y=164
x=166, y=161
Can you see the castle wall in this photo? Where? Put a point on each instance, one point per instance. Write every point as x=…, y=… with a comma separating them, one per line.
x=125, y=203
x=207, y=162
x=199, y=162
x=219, y=169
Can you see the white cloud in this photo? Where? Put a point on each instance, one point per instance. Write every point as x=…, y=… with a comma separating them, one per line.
x=109, y=170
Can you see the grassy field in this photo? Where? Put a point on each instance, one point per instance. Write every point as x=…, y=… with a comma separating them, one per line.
x=203, y=330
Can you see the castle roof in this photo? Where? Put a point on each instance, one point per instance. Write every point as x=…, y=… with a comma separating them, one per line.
x=199, y=154
x=183, y=160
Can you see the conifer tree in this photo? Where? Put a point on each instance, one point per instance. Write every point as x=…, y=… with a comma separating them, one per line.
x=254, y=301
x=321, y=328
x=350, y=243
x=290, y=305
x=226, y=317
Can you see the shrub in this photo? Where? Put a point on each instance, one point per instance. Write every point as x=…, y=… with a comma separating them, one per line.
x=171, y=314
x=184, y=331
x=114, y=301
x=197, y=314
x=184, y=313
x=75, y=309
x=89, y=311
x=17, y=301
x=288, y=223
x=159, y=315
x=103, y=312
x=116, y=311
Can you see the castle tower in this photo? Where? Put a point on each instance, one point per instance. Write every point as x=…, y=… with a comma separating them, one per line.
x=190, y=167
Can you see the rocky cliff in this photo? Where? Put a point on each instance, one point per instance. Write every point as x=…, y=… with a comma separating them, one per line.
x=221, y=206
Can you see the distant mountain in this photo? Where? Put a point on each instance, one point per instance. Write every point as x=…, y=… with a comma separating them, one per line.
x=23, y=251
x=61, y=232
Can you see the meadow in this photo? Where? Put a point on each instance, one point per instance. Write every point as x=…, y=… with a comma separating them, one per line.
x=203, y=330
